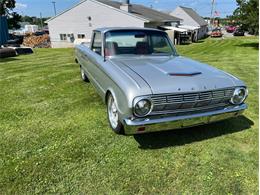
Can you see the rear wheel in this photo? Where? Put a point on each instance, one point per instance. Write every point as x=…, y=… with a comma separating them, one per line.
x=113, y=116
x=83, y=75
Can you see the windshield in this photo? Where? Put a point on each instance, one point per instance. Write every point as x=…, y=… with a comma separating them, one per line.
x=137, y=42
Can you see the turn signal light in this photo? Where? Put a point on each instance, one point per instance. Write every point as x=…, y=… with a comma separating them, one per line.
x=140, y=129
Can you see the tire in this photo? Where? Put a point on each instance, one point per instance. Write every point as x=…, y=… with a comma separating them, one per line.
x=113, y=117
x=83, y=75
x=7, y=52
x=23, y=51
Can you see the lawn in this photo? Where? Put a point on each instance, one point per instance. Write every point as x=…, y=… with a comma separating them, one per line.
x=55, y=138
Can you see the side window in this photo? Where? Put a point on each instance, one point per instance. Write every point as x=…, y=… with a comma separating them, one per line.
x=97, y=43
x=63, y=37
x=81, y=36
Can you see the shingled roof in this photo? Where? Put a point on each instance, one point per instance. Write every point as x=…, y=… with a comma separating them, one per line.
x=194, y=15
x=135, y=10
x=143, y=11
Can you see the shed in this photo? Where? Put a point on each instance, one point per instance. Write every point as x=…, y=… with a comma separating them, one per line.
x=176, y=34
x=192, y=21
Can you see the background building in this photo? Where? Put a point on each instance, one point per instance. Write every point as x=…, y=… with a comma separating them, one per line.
x=79, y=21
x=191, y=21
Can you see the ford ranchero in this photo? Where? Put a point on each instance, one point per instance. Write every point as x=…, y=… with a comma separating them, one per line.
x=148, y=87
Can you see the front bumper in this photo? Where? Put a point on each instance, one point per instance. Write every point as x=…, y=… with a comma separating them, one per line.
x=160, y=123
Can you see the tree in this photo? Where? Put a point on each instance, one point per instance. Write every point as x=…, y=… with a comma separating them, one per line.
x=13, y=18
x=13, y=21
x=247, y=15
x=34, y=20
x=6, y=6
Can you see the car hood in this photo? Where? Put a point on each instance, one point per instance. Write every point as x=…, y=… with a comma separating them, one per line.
x=177, y=74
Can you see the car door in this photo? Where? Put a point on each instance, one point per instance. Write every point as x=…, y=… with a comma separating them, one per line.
x=96, y=62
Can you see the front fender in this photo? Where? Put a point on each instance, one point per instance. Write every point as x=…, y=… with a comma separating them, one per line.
x=122, y=101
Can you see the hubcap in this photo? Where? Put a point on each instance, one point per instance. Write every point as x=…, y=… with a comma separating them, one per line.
x=112, y=112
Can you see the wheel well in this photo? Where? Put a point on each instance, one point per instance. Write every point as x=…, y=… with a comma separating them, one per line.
x=107, y=94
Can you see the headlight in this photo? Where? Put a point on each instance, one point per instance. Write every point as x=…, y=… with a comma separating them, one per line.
x=142, y=107
x=239, y=95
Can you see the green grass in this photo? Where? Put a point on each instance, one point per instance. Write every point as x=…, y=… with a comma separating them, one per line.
x=55, y=138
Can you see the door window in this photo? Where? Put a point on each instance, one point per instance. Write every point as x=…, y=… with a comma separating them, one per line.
x=97, y=43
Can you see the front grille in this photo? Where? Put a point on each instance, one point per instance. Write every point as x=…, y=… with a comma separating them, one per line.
x=191, y=102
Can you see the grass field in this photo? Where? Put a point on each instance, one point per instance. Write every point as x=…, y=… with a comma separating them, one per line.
x=54, y=136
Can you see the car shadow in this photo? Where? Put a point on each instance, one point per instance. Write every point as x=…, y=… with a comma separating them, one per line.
x=8, y=59
x=181, y=137
x=199, y=41
x=253, y=45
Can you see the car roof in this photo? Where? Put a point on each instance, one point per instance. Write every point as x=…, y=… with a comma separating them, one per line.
x=107, y=29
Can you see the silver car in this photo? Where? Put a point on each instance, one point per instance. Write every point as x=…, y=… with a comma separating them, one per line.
x=148, y=87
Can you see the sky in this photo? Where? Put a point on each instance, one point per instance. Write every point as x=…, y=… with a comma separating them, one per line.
x=203, y=7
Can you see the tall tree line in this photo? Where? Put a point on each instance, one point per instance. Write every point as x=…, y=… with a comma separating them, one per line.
x=34, y=20
x=247, y=14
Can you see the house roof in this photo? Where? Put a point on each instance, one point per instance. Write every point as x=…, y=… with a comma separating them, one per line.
x=136, y=10
x=194, y=15
x=143, y=11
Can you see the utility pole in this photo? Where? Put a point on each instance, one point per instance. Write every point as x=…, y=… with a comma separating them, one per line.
x=211, y=13
x=54, y=7
x=41, y=20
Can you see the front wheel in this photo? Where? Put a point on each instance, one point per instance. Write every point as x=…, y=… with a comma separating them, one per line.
x=113, y=116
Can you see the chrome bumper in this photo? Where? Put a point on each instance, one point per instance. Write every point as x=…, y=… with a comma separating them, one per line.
x=160, y=123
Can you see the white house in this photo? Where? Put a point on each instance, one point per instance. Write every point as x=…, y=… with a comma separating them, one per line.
x=191, y=21
x=79, y=21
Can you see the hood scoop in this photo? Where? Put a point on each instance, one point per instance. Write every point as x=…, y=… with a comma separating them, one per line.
x=184, y=74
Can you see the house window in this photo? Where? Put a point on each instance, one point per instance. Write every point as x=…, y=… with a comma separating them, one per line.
x=81, y=36
x=63, y=37
x=70, y=35
x=71, y=38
